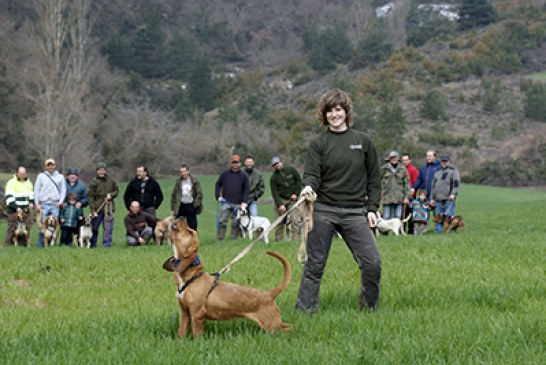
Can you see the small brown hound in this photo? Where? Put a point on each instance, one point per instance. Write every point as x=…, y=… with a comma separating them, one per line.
x=450, y=222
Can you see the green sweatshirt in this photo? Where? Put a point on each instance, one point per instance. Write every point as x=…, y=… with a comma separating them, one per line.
x=343, y=169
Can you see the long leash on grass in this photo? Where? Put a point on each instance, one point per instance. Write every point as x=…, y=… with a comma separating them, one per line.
x=308, y=201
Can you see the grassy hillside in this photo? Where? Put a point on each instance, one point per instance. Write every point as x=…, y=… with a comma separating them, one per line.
x=477, y=297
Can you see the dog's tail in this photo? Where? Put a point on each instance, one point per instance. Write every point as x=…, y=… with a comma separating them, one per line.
x=407, y=218
x=287, y=274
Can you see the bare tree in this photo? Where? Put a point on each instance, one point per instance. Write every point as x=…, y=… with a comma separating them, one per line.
x=59, y=66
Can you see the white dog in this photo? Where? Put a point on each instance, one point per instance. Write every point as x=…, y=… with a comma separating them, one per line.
x=251, y=224
x=86, y=233
x=395, y=225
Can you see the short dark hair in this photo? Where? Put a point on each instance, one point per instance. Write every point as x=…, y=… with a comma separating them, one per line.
x=184, y=166
x=406, y=154
x=251, y=157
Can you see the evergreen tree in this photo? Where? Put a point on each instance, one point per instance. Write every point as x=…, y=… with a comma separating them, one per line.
x=373, y=48
x=202, y=88
x=535, y=102
x=433, y=106
x=476, y=13
x=328, y=47
x=390, y=125
x=181, y=55
x=424, y=23
x=491, y=95
x=147, y=47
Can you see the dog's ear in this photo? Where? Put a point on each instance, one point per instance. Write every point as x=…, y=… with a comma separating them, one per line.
x=170, y=264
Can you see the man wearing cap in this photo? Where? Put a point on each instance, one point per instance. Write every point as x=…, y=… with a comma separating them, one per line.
x=49, y=193
x=445, y=188
x=285, y=187
x=74, y=185
x=257, y=186
x=395, y=187
x=231, y=191
x=19, y=197
x=102, y=192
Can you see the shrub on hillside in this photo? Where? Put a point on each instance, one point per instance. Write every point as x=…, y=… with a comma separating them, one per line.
x=433, y=106
x=373, y=48
x=491, y=95
x=534, y=105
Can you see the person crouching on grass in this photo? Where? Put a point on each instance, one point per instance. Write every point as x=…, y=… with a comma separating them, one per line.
x=138, y=225
x=342, y=168
x=69, y=217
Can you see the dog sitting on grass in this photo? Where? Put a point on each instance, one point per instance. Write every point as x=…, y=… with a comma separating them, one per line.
x=450, y=222
x=21, y=230
x=201, y=296
x=161, y=230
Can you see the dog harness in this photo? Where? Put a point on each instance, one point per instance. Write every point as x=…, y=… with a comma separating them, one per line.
x=196, y=276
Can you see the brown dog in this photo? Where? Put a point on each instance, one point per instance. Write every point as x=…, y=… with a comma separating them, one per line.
x=49, y=230
x=21, y=230
x=161, y=230
x=450, y=222
x=200, y=296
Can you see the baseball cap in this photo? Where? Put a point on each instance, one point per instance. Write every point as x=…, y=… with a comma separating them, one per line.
x=49, y=161
x=72, y=171
x=235, y=158
x=393, y=154
x=444, y=158
x=275, y=160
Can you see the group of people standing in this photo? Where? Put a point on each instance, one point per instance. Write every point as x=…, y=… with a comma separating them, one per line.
x=239, y=187
x=437, y=184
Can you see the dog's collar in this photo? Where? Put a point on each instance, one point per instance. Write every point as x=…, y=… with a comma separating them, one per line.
x=193, y=278
x=195, y=262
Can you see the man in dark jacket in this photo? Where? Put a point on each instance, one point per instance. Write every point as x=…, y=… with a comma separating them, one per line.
x=285, y=187
x=231, y=191
x=426, y=174
x=102, y=192
x=145, y=190
x=257, y=186
x=138, y=225
x=187, y=197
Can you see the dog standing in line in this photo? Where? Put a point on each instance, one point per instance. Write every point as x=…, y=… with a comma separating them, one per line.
x=86, y=232
x=249, y=224
x=394, y=225
x=201, y=296
x=21, y=230
x=49, y=230
x=162, y=229
x=450, y=222
x=294, y=223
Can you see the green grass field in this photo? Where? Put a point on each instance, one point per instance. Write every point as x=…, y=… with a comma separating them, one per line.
x=472, y=298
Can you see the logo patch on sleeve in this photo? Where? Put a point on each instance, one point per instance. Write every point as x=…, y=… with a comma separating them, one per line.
x=355, y=146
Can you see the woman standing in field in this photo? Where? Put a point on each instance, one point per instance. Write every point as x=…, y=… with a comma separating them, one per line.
x=342, y=168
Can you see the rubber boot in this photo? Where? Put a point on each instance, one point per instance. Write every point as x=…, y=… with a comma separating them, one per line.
x=235, y=233
x=221, y=233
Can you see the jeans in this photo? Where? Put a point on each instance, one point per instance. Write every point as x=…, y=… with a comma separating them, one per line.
x=146, y=234
x=252, y=208
x=107, y=228
x=392, y=211
x=446, y=207
x=47, y=209
x=352, y=224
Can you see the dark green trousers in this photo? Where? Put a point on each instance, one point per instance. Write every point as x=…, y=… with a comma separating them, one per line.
x=352, y=224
